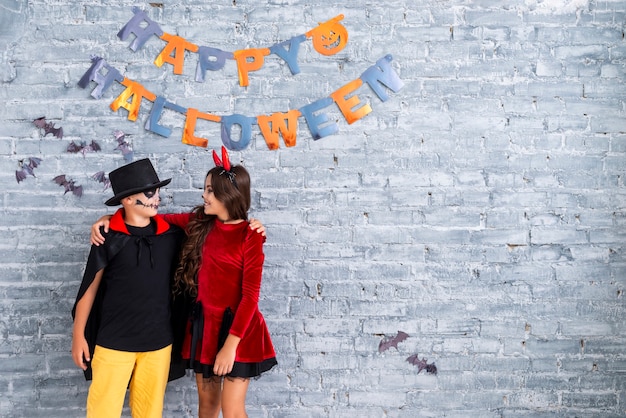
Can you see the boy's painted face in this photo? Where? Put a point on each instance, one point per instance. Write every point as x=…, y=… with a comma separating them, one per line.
x=212, y=206
x=148, y=199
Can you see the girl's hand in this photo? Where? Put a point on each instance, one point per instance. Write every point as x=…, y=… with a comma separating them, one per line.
x=257, y=226
x=224, y=362
x=225, y=358
x=96, y=237
x=80, y=352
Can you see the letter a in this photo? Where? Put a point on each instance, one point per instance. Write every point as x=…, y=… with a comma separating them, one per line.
x=133, y=92
x=177, y=46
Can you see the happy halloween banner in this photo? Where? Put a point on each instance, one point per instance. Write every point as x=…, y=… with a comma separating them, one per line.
x=328, y=38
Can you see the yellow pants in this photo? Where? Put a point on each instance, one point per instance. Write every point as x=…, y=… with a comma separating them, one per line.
x=112, y=371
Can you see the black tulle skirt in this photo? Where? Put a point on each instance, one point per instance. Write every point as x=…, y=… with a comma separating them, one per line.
x=240, y=370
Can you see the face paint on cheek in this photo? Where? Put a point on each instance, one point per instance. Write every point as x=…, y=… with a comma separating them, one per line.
x=140, y=203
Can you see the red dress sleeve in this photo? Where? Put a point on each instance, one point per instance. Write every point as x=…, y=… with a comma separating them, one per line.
x=179, y=219
x=253, y=258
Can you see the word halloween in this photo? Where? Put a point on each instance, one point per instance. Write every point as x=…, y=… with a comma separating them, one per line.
x=272, y=126
x=328, y=39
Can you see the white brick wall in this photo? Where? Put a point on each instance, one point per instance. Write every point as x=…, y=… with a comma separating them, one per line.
x=481, y=209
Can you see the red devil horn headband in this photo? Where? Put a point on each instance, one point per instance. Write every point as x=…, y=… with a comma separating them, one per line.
x=225, y=164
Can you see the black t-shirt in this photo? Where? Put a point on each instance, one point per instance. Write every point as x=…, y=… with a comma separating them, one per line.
x=135, y=313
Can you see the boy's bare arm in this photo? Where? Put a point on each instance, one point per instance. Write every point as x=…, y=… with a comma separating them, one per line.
x=80, y=348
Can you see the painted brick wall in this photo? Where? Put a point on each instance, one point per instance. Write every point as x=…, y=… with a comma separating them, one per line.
x=480, y=209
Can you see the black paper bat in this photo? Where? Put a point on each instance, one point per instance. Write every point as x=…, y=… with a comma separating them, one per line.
x=26, y=169
x=69, y=185
x=48, y=127
x=387, y=343
x=422, y=364
x=100, y=177
x=122, y=145
x=75, y=148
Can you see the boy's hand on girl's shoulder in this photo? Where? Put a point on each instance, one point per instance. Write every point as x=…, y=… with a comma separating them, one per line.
x=102, y=224
x=257, y=226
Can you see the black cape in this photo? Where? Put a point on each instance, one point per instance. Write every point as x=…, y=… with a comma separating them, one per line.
x=99, y=258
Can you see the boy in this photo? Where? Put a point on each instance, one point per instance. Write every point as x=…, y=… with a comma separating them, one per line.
x=122, y=321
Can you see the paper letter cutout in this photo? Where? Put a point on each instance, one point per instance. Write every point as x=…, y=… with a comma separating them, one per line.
x=104, y=81
x=285, y=124
x=152, y=124
x=347, y=104
x=290, y=56
x=205, y=63
x=244, y=66
x=134, y=92
x=382, y=73
x=246, y=131
x=176, y=45
x=315, y=120
x=141, y=34
x=190, y=127
x=329, y=37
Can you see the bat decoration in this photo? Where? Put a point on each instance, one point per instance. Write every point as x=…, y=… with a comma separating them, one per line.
x=69, y=185
x=48, y=127
x=122, y=145
x=26, y=169
x=75, y=148
x=387, y=343
x=422, y=364
x=100, y=177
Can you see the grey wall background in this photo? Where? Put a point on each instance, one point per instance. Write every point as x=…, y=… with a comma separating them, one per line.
x=480, y=210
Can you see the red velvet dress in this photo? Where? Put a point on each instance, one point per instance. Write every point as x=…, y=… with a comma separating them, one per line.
x=230, y=277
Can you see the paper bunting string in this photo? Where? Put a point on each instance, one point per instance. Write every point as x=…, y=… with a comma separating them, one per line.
x=328, y=38
x=379, y=77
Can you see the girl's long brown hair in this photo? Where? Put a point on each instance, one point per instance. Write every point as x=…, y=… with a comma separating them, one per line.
x=235, y=195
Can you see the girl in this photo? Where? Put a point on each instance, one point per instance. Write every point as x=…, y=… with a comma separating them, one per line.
x=221, y=265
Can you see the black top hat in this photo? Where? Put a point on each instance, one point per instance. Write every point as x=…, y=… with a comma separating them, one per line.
x=132, y=178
